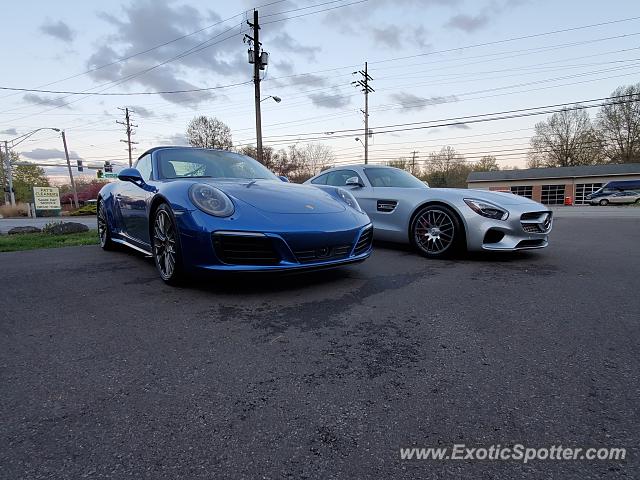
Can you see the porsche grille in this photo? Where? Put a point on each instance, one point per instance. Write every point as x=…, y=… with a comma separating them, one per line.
x=245, y=250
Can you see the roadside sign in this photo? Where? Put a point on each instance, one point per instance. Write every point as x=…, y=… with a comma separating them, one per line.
x=46, y=201
x=102, y=174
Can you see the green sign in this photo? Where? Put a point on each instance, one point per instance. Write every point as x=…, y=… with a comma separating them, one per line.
x=102, y=174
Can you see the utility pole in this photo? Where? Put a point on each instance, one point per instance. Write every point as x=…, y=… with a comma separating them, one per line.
x=9, y=174
x=413, y=162
x=73, y=183
x=259, y=59
x=129, y=131
x=366, y=89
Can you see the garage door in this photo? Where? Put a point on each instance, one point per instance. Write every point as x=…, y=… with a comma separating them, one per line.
x=584, y=189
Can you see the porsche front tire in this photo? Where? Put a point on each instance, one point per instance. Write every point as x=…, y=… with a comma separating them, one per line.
x=104, y=231
x=166, y=250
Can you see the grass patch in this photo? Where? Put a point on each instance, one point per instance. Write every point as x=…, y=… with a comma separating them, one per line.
x=31, y=241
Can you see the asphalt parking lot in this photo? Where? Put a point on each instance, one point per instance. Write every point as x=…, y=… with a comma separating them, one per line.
x=107, y=372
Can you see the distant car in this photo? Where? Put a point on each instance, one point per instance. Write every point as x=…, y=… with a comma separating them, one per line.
x=617, y=198
x=614, y=187
x=437, y=221
x=198, y=209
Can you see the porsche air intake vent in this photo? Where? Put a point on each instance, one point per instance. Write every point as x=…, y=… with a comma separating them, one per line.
x=245, y=250
x=322, y=254
x=364, y=242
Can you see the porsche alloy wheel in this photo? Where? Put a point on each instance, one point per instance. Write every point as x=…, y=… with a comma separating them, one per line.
x=103, y=229
x=435, y=231
x=166, y=249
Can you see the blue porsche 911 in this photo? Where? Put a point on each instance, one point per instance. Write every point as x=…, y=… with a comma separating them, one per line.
x=196, y=209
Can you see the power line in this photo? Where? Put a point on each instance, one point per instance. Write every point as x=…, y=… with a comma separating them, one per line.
x=468, y=117
x=512, y=39
x=163, y=92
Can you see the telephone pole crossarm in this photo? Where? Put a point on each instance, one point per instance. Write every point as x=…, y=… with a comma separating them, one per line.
x=128, y=130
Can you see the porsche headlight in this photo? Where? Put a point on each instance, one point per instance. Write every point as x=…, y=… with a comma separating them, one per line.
x=211, y=200
x=349, y=199
x=486, y=209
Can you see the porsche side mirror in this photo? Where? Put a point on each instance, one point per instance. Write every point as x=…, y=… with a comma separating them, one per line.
x=131, y=175
x=283, y=178
x=353, y=182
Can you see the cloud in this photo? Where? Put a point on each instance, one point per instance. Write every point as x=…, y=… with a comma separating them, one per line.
x=308, y=80
x=359, y=20
x=143, y=25
x=284, y=42
x=462, y=126
x=142, y=112
x=330, y=100
x=48, y=154
x=42, y=100
x=179, y=139
x=394, y=37
x=468, y=23
x=471, y=23
x=301, y=82
x=409, y=101
x=59, y=30
x=283, y=66
x=387, y=36
x=9, y=131
x=420, y=36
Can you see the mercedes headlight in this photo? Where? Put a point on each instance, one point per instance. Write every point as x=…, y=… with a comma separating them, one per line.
x=349, y=199
x=211, y=200
x=487, y=209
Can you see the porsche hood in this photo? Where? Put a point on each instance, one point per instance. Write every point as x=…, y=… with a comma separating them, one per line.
x=280, y=197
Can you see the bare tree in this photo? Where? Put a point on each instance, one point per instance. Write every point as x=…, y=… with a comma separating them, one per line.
x=619, y=125
x=402, y=163
x=565, y=139
x=488, y=163
x=447, y=168
x=209, y=132
x=316, y=157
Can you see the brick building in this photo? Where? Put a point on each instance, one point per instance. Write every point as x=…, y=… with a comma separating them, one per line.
x=551, y=185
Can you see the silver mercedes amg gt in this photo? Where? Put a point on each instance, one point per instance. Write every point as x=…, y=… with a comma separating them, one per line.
x=438, y=221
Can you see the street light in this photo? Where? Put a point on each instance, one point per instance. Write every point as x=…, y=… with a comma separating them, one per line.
x=358, y=140
x=275, y=98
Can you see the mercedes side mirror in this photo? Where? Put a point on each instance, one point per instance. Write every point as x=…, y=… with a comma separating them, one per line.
x=353, y=182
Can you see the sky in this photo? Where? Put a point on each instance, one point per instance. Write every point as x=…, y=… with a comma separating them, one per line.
x=431, y=60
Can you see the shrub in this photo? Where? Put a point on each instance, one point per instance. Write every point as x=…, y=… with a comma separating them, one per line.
x=90, y=209
x=20, y=210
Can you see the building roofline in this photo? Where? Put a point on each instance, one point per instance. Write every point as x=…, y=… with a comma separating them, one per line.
x=551, y=177
x=580, y=171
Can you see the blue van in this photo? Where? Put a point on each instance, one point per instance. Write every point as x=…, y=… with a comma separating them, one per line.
x=613, y=187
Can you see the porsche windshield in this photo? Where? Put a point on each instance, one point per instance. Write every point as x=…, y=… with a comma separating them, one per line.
x=194, y=163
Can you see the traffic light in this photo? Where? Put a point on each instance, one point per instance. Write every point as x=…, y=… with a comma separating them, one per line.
x=108, y=167
x=80, y=167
